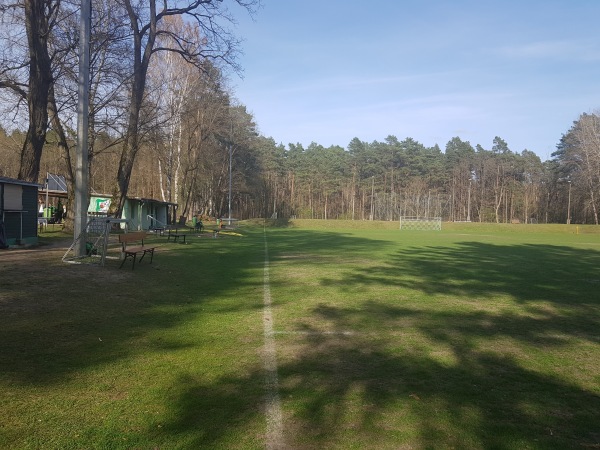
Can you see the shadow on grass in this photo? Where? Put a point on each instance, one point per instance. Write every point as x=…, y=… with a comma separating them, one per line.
x=356, y=390
x=221, y=414
x=442, y=381
x=339, y=391
x=535, y=276
x=561, y=275
x=476, y=394
x=58, y=318
x=59, y=321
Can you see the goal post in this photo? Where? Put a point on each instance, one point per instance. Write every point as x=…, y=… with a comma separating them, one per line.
x=421, y=223
x=96, y=235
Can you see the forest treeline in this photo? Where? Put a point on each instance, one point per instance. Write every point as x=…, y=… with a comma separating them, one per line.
x=367, y=180
x=164, y=124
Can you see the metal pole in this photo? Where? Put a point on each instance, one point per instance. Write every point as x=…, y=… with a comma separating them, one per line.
x=569, y=206
x=469, y=203
x=230, y=165
x=372, y=198
x=81, y=169
x=428, y=200
x=46, y=205
x=230, y=154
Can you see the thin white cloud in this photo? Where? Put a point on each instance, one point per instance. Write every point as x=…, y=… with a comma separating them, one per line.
x=586, y=51
x=448, y=71
x=315, y=85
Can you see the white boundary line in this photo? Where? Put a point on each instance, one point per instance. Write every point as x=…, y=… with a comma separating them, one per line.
x=274, y=437
x=320, y=333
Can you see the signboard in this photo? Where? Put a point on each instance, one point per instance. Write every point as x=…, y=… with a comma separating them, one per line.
x=13, y=197
x=99, y=205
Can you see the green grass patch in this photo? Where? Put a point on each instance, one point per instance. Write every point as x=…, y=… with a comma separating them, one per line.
x=478, y=336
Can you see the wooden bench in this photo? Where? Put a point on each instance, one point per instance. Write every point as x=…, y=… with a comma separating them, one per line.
x=136, y=237
x=158, y=230
x=175, y=235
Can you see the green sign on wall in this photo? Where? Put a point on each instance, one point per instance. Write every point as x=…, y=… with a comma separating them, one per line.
x=99, y=205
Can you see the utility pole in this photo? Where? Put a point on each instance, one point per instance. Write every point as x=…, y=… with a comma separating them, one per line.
x=230, y=154
x=469, y=203
x=569, y=205
x=81, y=167
x=230, y=165
x=372, y=198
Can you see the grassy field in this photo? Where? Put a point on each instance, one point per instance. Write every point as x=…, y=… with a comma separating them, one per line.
x=478, y=336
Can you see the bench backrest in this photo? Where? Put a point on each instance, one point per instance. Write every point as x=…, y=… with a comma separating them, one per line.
x=134, y=236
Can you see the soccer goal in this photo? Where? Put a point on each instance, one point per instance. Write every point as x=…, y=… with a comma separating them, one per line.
x=421, y=223
x=96, y=235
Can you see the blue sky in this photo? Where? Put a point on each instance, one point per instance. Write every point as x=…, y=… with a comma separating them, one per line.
x=331, y=70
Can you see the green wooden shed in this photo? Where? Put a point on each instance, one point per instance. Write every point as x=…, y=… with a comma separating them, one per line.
x=140, y=213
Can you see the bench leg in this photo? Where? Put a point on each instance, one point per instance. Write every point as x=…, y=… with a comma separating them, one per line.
x=129, y=255
x=151, y=251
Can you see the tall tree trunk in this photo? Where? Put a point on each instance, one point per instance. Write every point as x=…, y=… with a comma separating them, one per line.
x=40, y=79
x=141, y=60
x=128, y=153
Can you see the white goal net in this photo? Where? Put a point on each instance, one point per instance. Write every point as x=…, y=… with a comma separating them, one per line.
x=421, y=223
x=97, y=237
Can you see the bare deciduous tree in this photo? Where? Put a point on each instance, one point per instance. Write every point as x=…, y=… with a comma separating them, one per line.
x=39, y=17
x=212, y=41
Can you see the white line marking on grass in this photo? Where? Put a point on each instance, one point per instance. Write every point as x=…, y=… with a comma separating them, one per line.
x=274, y=438
x=319, y=333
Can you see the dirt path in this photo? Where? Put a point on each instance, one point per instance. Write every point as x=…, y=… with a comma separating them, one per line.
x=16, y=253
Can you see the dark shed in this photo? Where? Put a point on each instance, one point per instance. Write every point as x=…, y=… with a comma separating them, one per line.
x=18, y=212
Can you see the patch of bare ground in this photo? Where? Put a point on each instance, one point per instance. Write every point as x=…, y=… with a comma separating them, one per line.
x=36, y=278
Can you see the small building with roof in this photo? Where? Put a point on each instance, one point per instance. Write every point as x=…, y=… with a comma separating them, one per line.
x=18, y=212
x=148, y=213
x=140, y=213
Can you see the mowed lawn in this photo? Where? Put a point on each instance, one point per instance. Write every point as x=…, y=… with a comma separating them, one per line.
x=473, y=337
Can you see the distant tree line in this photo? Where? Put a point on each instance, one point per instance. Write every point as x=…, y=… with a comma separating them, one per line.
x=165, y=125
x=186, y=161
x=389, y=179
